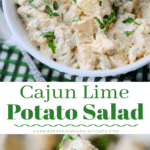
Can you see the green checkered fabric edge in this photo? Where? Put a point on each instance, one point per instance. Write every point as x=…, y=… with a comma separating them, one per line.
x=13, y=67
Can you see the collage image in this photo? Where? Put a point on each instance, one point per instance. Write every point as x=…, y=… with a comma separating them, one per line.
x=74, y=41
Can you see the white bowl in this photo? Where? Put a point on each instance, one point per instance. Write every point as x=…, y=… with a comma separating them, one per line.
x=19, y=32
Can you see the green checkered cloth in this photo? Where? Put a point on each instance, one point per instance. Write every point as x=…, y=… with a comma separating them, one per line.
x=13, y=67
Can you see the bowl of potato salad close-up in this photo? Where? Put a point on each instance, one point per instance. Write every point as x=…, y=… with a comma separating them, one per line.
x=83, y=37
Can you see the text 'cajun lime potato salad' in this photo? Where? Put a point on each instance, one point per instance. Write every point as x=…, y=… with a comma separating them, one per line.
x=89, y=34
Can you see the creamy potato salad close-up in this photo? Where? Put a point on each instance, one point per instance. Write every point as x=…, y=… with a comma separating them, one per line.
x=104, y=143
x=88, y=34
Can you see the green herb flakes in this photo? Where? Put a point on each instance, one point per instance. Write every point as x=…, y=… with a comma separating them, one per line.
x=100, y=3
x=55, y=5
x=30, y=1
x=128, y=33
x=28, y=16
x=79, y=7
x=50, y=11
x=129, y=20
x=50, y=37
x=106, y=20
x=79, y=18
x=75, y=1
x=102, y=26
x=66, y=137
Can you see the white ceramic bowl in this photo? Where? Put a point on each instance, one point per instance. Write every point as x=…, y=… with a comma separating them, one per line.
x=19, y=32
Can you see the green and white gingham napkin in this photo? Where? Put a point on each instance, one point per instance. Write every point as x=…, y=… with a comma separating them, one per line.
x=14, y=67
x=17, y=65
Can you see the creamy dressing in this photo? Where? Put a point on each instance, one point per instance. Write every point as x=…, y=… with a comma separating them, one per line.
x=80, y=144
x=80, y=40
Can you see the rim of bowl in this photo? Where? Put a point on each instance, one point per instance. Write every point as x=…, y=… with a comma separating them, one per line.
x=61, y=68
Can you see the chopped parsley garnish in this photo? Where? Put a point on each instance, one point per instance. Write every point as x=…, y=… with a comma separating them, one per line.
x=50, y=11
x=28, y=15
x=52, y=46
x=45, y=1
x=66, y=137
x=100, y=3
x=78, y=67
x=30, y=1
x=102, y=26
x=32, y=5
x=115, y=8
x=54, y=14
x=50, y=37
x=128, y=33
x=129, y=20
x=79, y=18
x=48, y=34
x=106, y=20
x=79, y=7
x=75, y=1
x=55, y=5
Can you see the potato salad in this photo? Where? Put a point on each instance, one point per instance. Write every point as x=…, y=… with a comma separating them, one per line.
x=80, y=144
x=103, y=142
x=88, y=34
